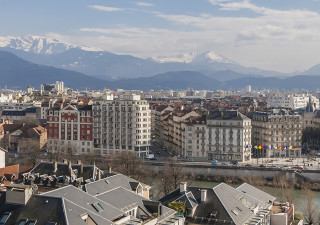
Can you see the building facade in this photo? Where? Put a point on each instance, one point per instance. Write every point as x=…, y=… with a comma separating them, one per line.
x=70, y=127
x=228, y=136
x=121, y=124
x=279, y=132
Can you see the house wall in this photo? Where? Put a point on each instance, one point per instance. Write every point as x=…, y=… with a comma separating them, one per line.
x=2, y=159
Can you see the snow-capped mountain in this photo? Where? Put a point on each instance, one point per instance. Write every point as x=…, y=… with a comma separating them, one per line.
x=107, y=65
x=38, y=44
x=194, y=57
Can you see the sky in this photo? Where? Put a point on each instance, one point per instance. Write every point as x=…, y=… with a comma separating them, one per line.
x=279, y=35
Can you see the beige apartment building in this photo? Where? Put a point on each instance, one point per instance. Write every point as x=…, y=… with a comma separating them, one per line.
x=279, y=132
x=222, y=135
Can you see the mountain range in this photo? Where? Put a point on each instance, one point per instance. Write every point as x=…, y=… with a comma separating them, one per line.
x=110, y=66
x=37, y=60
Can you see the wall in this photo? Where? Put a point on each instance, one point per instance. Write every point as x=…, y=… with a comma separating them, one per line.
x=227, y=171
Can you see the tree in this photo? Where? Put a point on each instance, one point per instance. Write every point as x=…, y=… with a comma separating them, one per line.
x=129, y=164
x=178, y=206
x=310, y=210
x=171, y=176
x=34, y=151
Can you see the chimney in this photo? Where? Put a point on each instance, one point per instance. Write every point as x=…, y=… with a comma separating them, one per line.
x=109, y=169
x=18, y=194
x=203, y=195
x=70, y=165
x=65, y=161
x=55, y=166
x=183, y=187
x=99, y=175
x=81, y=166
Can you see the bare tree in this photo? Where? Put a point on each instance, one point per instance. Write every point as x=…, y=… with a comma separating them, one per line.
x=30, y=120
x=129, y=164
x=310, y=210
x=34, y=151
x=171, y=176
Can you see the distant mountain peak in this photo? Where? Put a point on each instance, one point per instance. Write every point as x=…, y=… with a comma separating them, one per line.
x=192, y=57
x=39, y=44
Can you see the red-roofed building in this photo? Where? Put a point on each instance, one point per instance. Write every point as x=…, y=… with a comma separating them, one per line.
x=11, y=174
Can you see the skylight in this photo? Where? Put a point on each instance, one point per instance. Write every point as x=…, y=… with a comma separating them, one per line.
x=97, y=207
x=235, y=212
x=4, y=218
x=32, y=222
x=23, y=222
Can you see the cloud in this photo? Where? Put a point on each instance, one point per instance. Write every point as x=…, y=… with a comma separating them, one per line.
x=270, y=39
x=106, y=8
x=145, y=4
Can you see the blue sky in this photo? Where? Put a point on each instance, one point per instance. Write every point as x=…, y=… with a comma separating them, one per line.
x=281, y=35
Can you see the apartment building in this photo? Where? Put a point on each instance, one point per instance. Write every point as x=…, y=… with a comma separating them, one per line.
x=70, y=127
x=279, y=132
x=121, y=124
x=291, y=101
x=228, y=135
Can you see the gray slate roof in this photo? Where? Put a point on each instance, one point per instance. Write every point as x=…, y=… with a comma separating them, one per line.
x=256, y=193
x=112, y=182
x=81, y=198
x=226, y=115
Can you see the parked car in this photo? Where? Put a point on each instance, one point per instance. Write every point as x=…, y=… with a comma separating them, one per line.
x=248, y=165
x=224, y=164
x=262, y=165
x=298, y=167
x=152, y=158
x=214, y=164
x=214, y=161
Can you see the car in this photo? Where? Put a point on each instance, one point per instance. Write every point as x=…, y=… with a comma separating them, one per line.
x=262, y=165
x=214, y=161
x=214, y=164
x=248, y=165
x=157, y=152
x=224, y=164
x=164, y=149
x=298, y=167
x=235, y=164
x=153, y=158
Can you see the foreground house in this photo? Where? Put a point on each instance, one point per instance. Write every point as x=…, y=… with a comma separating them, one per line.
x=225, y=204
x=115, y=199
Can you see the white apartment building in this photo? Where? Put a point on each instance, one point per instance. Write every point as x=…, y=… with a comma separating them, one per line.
x=291, y=101
x=121, y=124
x=222, y=135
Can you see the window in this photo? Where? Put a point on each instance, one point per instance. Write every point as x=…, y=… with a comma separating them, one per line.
x=97, y=207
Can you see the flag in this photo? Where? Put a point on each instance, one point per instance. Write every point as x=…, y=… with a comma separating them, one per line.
x=296, y=148
x=290, y=147
x=285, y=148
x=260, y=147
x=280, y=147
x=275, y=147
x=247, y=146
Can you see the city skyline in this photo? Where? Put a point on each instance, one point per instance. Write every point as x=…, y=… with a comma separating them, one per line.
x=267, y=35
